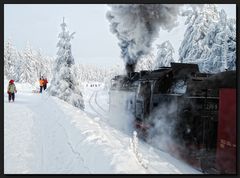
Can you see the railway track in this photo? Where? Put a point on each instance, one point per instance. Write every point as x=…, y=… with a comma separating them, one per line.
x=95, y=106
x=96, y=101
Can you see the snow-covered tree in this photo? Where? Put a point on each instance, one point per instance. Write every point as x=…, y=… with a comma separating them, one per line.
x=27, y=65
x=117, y=69
x=164, y=55
x=18, y=67
x=10, y=58
x=209, y=40
x=42, y=64
x=27, y=69
x=92, y=73
x=146, y=63
x=64, y=84
x=48, y=69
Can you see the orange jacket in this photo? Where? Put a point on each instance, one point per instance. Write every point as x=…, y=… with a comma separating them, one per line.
x=41, y=82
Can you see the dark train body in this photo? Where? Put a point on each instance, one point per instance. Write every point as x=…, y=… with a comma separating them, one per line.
x=200, y=107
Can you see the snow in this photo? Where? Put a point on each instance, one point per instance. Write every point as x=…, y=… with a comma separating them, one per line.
x=93, y=84
x=64, y=84
x=164, y=55
x=46, y=135
x=209, y=40
x=25, y=65
x=120, y=110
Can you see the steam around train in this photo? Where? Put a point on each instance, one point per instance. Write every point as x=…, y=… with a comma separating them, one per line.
x=204, y=114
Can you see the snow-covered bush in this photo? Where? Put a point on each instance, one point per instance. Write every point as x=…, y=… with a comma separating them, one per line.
x=209, y=40
x=134, y=148
x=64, y=84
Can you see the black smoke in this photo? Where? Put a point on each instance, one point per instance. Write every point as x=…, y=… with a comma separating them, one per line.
x=137, y=26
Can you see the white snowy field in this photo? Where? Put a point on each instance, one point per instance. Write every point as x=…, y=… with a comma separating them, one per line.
x=44, y=135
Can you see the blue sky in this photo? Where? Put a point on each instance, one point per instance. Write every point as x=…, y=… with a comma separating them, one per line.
x=93, y=42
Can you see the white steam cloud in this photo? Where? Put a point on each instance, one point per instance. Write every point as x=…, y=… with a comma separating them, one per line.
x=161, y=134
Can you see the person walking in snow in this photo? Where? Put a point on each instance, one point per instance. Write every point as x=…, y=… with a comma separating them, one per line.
x=41, y=83
x=45, y=83
x=11, y=90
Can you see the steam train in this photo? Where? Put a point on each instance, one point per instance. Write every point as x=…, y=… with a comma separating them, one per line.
x=199, y=109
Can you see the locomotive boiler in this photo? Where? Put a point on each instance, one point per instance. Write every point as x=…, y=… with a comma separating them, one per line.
x=200, y=109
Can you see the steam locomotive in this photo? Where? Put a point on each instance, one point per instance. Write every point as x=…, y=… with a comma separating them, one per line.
x=199, y=109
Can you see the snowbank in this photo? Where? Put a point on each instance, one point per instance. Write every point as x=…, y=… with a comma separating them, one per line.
x=45, y=135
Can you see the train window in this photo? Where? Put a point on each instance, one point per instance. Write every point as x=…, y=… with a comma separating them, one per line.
x=179, y=87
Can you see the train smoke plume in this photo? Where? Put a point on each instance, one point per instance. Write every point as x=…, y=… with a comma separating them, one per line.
x=137, y=26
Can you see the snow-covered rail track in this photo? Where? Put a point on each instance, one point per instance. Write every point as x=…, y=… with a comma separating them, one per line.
x=95, y=107
x=99, y=105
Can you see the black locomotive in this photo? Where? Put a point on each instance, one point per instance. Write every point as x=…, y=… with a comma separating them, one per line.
x=189, y=102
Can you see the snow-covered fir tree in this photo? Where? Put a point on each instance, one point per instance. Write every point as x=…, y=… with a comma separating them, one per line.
x=10, y=58
x=43, y=64
x=18, y=67
x=164, y=55
x=64, y=84
x=27, y=65
x=209, y=40
x=27, y=69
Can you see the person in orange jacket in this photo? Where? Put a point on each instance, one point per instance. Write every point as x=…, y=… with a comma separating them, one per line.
x=41, y=83
x=45, y=83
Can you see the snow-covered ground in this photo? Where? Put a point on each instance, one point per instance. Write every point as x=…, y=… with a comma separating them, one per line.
x=45, y=135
